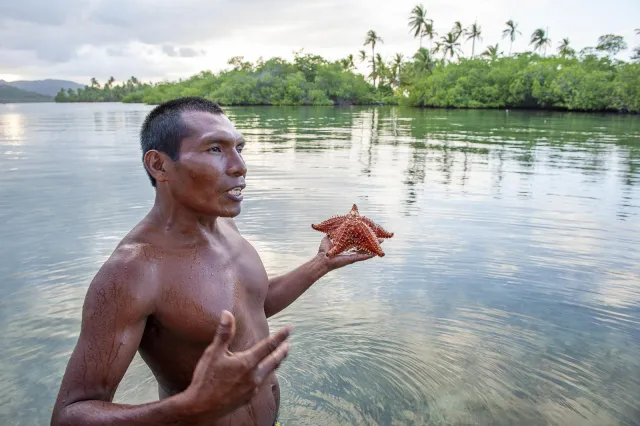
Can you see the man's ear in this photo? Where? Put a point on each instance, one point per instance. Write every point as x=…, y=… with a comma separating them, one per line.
x=157, y=163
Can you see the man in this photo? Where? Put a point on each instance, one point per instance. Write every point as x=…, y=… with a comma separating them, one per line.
x=187, y=291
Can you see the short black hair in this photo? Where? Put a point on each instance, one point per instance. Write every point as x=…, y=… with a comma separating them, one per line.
x=164, y=128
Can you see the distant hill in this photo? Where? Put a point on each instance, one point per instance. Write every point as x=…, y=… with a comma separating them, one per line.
x=10, y=94
x=47, y=87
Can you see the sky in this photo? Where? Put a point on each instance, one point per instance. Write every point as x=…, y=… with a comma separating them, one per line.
x=158, y=40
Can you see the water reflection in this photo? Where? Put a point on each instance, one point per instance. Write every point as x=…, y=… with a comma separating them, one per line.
x=509, y=295
x=12, y=128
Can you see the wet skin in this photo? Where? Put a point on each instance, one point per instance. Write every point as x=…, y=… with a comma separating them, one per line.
x=165, y=287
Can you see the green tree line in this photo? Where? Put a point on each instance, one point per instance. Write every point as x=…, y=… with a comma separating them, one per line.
x=439, y=75
x=105, y=93
x=308, y=80
x=530, y=81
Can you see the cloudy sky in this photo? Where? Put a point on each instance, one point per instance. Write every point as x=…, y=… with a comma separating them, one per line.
x=164, y=39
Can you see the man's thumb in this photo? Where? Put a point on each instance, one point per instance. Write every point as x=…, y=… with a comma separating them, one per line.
x=226, y=330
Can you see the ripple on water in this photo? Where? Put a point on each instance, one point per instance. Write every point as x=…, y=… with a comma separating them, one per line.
x=508, y=296
x=366, y=364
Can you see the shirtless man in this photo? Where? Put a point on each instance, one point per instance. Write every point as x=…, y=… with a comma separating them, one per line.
x=187, y=291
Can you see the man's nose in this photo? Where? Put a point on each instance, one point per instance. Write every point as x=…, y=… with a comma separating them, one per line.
x=237, y=166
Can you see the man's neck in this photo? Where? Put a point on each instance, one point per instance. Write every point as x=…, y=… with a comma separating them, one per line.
x=180, y=221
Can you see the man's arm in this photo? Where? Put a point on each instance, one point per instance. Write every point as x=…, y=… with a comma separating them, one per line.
x=285, y=289
x=114, y=315
x=117, y=304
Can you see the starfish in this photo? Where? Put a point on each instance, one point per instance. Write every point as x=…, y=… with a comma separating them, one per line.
x=353, y=231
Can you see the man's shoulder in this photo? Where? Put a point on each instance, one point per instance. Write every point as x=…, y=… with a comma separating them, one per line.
x=129, y=272
x=130, y=257
x=124, y=288
x=137, y=252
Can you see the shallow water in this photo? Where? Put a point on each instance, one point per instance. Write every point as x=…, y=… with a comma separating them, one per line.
x=510, y=294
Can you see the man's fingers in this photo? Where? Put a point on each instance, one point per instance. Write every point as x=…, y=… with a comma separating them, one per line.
x=357, y=257
x=266, y=346
x=361, y=257
x=272, y=362
x=226, y=331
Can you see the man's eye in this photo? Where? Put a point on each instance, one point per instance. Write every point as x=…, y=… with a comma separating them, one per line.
x=215, y=149
x=239, y=149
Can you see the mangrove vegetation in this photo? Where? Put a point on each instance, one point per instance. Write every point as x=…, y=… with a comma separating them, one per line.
x=552, y=75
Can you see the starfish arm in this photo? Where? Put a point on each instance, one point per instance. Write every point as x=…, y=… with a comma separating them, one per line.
x=365, y=238
x=329, y=224
x=379, y=230
x=353, y=230
x=340, y=248
x=341, y=240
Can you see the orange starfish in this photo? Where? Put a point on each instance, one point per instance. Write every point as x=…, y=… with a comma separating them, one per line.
x=353, y=231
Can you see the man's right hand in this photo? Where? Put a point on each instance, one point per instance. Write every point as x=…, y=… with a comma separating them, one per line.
x=223, y=381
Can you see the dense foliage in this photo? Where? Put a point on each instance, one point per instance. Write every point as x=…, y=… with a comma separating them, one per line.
x=531, y=81
x=309, y=80
x=591, y=80
x=107, y=93
x=589, y=83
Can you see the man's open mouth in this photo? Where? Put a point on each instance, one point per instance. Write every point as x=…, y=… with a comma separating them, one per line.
x=237, y=191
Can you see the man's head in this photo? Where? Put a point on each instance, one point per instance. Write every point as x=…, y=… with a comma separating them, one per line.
x=192, y=153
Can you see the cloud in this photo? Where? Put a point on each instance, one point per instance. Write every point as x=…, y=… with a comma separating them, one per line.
x=117, y=51
x=56, y=31
x=61, y=38
x=45, y=39
x=50, y=12
x=183, y=52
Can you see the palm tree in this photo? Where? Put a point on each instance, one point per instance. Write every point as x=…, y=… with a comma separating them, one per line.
x=109, y=83
x=491, y=53
x=418, y=21
x=381, y=70
x=449, y=44
x=348, y=62
x=429, y=32
x=94, y=83
x=437, y=48
x=474, y=32
x=396, y=66
x=511, y=31
x=423, y=61
x=362, y=56
x=564, y=49
x=457, y=29
x=540, y=40
x=351, y=59
x=372, y=39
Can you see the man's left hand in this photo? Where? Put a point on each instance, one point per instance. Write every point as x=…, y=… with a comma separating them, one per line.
x=340, y=260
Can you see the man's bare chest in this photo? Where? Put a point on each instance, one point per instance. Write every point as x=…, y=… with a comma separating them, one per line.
x=196, y=289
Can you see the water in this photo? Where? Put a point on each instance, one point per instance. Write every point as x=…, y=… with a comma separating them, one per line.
x=510, y=294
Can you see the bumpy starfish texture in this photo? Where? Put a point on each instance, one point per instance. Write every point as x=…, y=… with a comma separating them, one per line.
x=353, y=231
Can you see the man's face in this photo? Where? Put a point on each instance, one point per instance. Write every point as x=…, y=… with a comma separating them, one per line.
x=209, y=174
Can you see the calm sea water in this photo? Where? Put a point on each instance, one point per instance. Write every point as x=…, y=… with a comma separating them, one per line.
x=510, y=294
